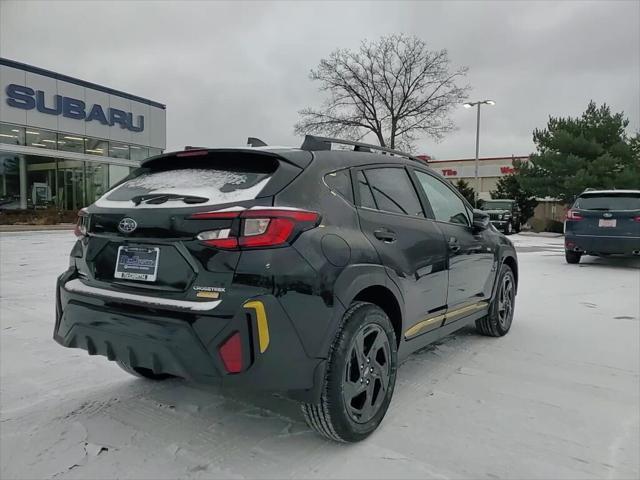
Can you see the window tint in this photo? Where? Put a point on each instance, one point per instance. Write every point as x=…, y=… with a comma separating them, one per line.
x=609, y=201
x=446, y=205
x=393, y=191
x=340, y=182
x=364, y=192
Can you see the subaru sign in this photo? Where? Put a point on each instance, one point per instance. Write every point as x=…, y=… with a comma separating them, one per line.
x=26, y=98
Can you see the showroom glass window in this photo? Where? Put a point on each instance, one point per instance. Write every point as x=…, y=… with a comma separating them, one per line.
x=118, y=150
x=393, y=191
x=39, y=138
x=138, y=152
x=446, y=205
x=96, y=180
x=41, y=181
x=11, y=134
x=95, y=146
x=70, y=142
x=9, y=181
x=70, y=190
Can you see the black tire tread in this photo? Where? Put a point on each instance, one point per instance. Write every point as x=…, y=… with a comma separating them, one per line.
x=488, y=325
x=318, y=416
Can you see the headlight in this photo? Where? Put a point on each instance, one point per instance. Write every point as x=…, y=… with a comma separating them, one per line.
x=507, y=215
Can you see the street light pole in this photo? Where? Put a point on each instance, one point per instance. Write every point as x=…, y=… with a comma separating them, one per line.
x=475, y=197
x=477, y=163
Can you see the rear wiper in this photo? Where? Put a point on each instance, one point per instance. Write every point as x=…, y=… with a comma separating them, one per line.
x=158, y=198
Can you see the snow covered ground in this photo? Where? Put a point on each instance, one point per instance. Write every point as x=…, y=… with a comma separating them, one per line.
x=559, y=397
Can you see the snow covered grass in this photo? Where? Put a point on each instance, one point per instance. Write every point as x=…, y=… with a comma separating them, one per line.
x=559, y=397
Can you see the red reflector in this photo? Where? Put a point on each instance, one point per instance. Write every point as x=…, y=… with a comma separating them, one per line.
x=231, y=353
x=231, y=242
x=192, y=153
x=573, y=215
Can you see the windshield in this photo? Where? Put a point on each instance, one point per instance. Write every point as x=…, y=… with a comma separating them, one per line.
x=609, y=201
x=183, y=187
x=500, y=205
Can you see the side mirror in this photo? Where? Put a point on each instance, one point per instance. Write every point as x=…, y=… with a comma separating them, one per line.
x=480, y=220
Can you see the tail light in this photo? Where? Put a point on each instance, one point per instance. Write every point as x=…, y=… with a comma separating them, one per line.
x=573, y=215
x=268, y=227
x=636, y=219
x=80, y=229
x=231, y=353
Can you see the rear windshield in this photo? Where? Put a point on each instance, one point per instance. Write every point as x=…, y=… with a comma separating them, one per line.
x=188, y=186
x=609, y=201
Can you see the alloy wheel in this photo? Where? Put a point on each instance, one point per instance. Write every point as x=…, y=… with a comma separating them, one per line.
x=367, y=373
x=505, y=301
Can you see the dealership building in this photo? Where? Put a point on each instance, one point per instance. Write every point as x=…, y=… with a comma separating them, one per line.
x=490, y=169
x=65, y=141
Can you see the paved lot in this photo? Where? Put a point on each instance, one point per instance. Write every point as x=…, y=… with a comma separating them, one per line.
x=559, y=397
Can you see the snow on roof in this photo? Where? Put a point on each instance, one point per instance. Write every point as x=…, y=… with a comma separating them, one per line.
x=590, y=192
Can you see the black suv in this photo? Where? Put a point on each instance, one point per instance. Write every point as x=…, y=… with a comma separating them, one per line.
x=504, y=214
x=603, y=222
x=308, y=271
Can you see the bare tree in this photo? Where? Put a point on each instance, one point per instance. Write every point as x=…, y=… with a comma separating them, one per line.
x=394, y=88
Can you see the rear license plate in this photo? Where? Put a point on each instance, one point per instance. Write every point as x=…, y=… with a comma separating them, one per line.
x=606, y=223
x=137, y=263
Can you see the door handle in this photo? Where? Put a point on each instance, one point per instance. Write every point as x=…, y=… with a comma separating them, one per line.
x=385, y=235
x=453, y=245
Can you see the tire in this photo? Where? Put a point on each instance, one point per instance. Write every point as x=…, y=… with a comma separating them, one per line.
x=343, y=413
x=143, y=372
x=498, y=321
x=572, y=257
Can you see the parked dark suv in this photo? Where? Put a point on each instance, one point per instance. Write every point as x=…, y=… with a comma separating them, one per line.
x=308, y=271
x=504, y=214
x=603, y=222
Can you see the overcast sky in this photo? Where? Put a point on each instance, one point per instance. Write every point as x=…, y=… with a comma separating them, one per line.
x=227, y=71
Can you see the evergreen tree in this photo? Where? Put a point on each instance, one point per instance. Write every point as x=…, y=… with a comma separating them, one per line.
x=573, y=154
x=509, y=187
x=466, y=190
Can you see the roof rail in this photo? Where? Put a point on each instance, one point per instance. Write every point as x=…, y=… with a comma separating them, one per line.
x=255, y=142
x=314, y=143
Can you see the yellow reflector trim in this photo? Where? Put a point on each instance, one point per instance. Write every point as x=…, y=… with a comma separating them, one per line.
x=263, y=326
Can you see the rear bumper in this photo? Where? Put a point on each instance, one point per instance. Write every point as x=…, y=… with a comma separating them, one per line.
x=183, y=342
x=601, y=244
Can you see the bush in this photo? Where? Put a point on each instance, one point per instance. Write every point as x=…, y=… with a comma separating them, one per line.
x=49, y=216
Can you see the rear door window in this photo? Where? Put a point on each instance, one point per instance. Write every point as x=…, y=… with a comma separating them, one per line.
x=184, y=187
x=609, y=201
x=364, y=191
x=393, y=191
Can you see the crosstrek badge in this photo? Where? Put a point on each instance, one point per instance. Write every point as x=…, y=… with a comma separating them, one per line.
x=208, y=292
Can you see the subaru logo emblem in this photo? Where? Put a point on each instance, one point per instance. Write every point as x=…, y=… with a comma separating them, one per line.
x=607, y=215
x=127, y=225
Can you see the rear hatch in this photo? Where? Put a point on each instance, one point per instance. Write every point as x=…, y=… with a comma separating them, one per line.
x=605, y=214
x=148, y=234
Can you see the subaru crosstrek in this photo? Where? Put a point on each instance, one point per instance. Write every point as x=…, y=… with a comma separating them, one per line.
x=309, y=271
x=601, y=223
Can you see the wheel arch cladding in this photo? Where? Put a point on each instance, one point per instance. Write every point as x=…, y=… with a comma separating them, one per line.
x=511, y=262
x=385, y=299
